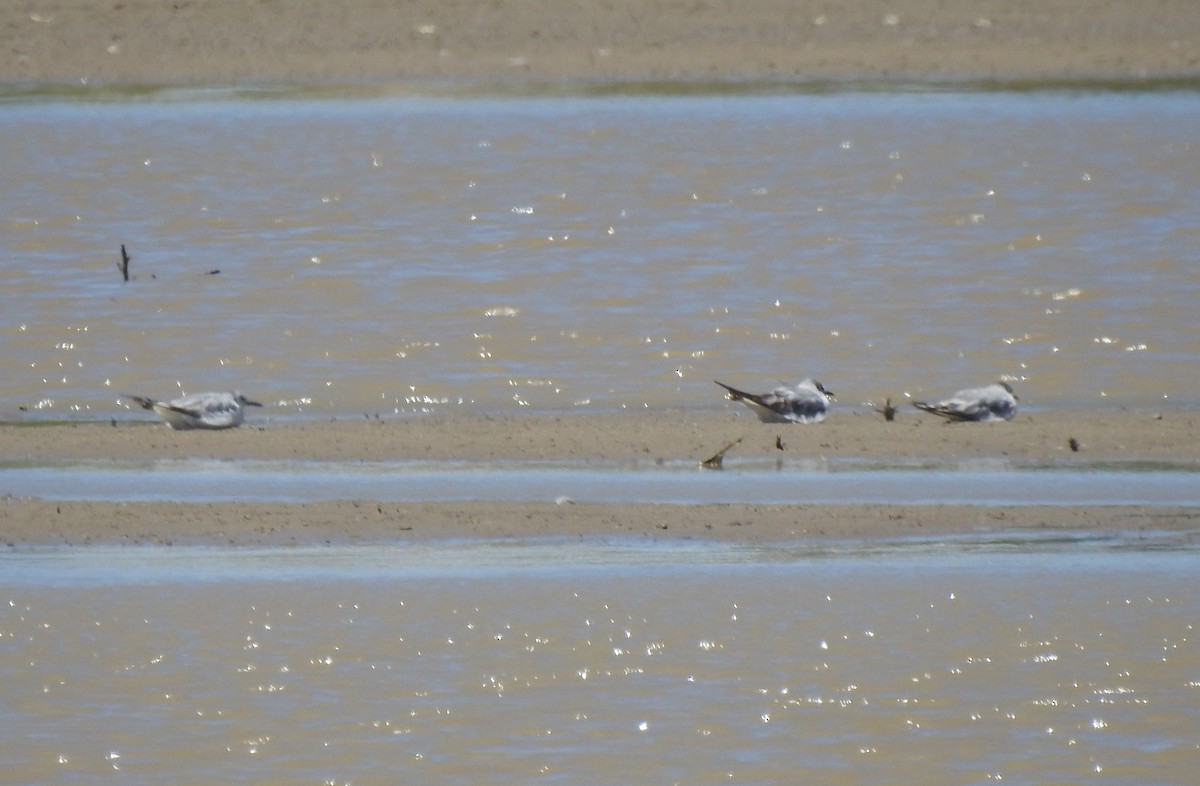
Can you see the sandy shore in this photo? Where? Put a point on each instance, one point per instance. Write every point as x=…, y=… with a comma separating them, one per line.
x=148, y=42
x=1169, y=437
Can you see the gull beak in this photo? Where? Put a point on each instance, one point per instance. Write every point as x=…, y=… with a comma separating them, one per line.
x=249, y=403
x=828, y=394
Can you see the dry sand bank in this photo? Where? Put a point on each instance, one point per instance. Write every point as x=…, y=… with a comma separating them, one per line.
x=306, y=41
x=1169, y=437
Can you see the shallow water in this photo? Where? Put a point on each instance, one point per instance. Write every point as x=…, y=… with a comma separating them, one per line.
x=791, y=482
x=402, y=254
x=956, y=662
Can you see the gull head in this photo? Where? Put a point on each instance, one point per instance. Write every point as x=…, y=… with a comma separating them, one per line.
x=821, y=388
x=245, y=402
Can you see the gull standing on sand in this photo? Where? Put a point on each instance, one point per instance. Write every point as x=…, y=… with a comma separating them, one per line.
x=993, y=402
x=807, y=402
x=199, y=410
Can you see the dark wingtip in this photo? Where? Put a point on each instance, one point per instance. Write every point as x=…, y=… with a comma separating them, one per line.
x=141, y=401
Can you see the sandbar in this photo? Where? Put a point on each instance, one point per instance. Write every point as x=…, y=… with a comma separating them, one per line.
x=1168, y=438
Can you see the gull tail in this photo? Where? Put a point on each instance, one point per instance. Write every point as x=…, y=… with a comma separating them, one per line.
x=941, y=412
x=737, y=395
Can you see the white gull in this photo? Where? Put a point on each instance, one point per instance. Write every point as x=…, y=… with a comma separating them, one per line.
x=807, y=402
x=199, y=410
x=991, y=402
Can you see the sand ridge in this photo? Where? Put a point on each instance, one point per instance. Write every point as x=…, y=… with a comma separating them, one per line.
x=630, y=436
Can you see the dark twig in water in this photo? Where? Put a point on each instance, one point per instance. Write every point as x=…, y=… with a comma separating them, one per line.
x=123, y=265
x=717, y=459
x=779, y=443
x=1073, y=444
x=887, y=410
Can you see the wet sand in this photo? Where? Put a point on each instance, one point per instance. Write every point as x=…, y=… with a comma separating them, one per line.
x=146, y=42
x=1168, y=437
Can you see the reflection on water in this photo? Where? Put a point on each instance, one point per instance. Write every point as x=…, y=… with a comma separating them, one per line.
x=404, y=253
x=930, y=663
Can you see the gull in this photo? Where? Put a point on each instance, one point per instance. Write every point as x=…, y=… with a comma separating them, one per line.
x=807, y=402
x=992, y=402
x=199, y=410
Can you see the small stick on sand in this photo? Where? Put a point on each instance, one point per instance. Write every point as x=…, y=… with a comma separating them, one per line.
x=717, y=459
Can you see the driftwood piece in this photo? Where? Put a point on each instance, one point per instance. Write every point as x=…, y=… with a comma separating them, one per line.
x=123, y=265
